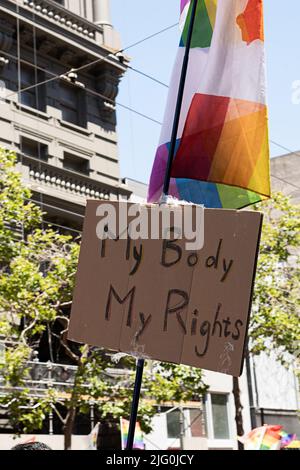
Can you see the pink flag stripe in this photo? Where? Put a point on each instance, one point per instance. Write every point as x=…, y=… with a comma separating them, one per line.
x=183, y=4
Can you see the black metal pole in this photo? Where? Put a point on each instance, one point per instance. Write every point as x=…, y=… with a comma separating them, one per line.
x=179, y=99
x=141, y=362
x=135, y=402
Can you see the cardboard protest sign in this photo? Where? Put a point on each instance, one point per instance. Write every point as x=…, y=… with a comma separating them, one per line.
x=158, y=299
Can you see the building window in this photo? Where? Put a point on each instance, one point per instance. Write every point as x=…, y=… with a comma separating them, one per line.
x=197, y=428
x=219, y=411
x=72, y=104
x=192, y=423
x=32, y=148
x=34, y=97
x=74, y=163
x=173, y=424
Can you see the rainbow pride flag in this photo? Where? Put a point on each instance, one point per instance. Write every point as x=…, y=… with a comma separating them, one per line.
x=287, y=439
x=267, y=437
x=293, y=445
x=263, y=438
x=138, y=436
x=222, y=153
x=272, y=438
x=93, y=437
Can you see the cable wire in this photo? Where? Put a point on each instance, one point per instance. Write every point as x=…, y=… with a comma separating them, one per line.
x=37, y=102
x=128, y=108
x=93, y=92
x=147, y=76
x=285, y=181
x=285, y=148
x=130, y=67
x=97, y=61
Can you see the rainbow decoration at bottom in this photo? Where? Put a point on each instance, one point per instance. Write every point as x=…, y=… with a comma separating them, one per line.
x=287, y=439
x=268, y=437
x=138, y=436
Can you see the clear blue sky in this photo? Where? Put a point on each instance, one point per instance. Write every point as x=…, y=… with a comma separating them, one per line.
x=136, y=19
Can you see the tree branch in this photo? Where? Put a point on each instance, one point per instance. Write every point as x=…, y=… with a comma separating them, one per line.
x=64, y=304
x=70, y=353
x=58, y=414
x=29, y=327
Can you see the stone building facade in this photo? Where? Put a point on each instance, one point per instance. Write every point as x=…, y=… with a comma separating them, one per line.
x=63, y=131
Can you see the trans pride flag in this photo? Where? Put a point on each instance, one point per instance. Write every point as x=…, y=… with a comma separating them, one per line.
x=222, y=155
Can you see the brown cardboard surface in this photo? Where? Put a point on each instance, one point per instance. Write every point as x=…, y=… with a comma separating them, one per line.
x=192, y=313
x=152, y=284
x=94, y=278
x=219, y=306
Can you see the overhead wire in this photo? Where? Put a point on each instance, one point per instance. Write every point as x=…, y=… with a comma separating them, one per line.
x=130, y=109
x=93, y=92
x=144, y=74
x=57, y=208
x=285, y=148
x=96, y=61
x=145, y=116
x=283, y=180
x=48, y=222
x=37, y=103
x=19, y=86
x=105, y=98
x=116, y=53
x=131, y=127
x=130, y=67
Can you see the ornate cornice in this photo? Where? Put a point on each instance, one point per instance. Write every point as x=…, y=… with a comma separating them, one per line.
x=108, y=85
x=64, y=180
x=63, y=17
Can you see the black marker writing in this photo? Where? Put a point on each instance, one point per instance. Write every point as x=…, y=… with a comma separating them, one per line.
x=177, y=308
x=113, y=294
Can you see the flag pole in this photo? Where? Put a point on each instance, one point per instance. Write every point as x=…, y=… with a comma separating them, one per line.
x=179, y=100
x=135, y=402
x=141, y=362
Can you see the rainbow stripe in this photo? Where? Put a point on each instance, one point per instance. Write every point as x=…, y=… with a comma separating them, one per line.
x=138, y=436
x=268, y=437
x=272, y=438
x=183, y=4
x=293, y=445
x=204, y=23
x=222, y=155
x=287, y=439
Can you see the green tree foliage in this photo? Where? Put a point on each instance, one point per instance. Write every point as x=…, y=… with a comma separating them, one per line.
x=37, y=272
x=16, y=211
x=275, y=322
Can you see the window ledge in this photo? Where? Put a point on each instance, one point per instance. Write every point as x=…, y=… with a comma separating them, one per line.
x=221, y=444
x=74, y=127
x=35, y=112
